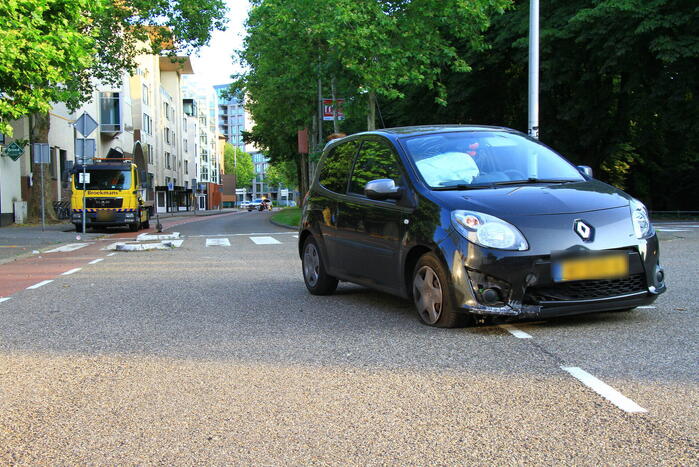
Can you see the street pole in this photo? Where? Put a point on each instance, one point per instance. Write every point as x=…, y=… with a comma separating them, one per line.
x=84, y=177
x=43, y=207
x=533, y=129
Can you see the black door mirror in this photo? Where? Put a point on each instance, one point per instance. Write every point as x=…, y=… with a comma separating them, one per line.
x=381, y=189
x=585, y=170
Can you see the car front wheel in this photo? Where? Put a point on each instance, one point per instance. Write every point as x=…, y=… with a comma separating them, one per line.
x=318, y=282
x=432, y=295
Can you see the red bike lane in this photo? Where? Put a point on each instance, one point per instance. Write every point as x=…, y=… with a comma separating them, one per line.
x=35, y=270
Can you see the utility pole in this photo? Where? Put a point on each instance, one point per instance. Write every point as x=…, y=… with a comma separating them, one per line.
x=533, y=129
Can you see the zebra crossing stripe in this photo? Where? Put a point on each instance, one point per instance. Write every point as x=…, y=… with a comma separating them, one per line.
x=265, y=240
x=217, y=242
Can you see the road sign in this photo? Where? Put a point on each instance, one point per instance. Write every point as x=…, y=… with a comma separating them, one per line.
x=285, y=192
x=85, y=149
x=170, y=186
x=85, y=124
x=41, y=153
x=328, y=109
x=240, y=191
x=14, y=151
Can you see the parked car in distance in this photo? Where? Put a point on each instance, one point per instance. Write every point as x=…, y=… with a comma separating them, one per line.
x=243, y=205
x=472, y=221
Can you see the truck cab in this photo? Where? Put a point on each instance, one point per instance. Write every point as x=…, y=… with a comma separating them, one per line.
x=111, y=193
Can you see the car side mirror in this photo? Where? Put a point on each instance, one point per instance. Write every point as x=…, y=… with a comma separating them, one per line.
x=585, y=170
x=382, y=189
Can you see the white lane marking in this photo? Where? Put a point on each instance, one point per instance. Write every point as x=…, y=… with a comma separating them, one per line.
x=72, y=271
x=218, y=242
x=296, y=236
x=241, y=234
x=66, y=248
x=604, y=390
x=42, y=283
x=515, y=332
x=95, y=261
x=648, y=307
x=4, y=299
x=672, y=230
x=112, y=254
x=264, y=240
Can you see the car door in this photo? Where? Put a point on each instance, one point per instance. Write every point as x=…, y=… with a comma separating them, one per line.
x=370, y=232
x=332, y=180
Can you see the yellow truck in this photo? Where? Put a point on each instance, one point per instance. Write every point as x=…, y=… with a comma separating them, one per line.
x=112, y=194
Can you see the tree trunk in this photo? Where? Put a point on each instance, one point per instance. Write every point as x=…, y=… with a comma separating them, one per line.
x=371, y=114
x=39, y=133
x=336, y=125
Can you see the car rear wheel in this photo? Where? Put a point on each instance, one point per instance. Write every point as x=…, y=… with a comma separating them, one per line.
x=432, y=295
x=318, y=282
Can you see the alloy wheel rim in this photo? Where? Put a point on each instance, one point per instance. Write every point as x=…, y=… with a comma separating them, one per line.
x=427, y=292
x=311, y=264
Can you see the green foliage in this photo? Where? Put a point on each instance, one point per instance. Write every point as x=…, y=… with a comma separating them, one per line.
x=239, y=163
x=281, y=173
x=370, y=47
x=55, y=50
x=43, y=46
x=618, y=91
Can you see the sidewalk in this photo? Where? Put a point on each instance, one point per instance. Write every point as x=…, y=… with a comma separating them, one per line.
x=17, y=241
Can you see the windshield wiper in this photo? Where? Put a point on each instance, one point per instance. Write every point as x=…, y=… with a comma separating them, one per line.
x=533, y=180
x=460, y=186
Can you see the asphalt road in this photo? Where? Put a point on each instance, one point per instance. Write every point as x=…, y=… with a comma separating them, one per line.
x=217, y=354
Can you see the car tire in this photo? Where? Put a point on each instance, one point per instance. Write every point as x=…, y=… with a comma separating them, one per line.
x=432, y=294
x=317, y=280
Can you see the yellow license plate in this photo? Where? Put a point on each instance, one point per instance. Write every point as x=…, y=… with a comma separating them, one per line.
x=602, y=267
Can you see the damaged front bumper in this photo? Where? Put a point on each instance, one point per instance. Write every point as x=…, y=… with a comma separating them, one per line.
x=514, y=284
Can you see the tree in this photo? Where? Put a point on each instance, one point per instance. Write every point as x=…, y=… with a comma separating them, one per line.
x=282, y=173
x=295, y=49
x=59, y=50
x=619, y=87
x=239, y=163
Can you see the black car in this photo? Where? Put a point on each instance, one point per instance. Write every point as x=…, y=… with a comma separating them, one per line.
x=474, y=220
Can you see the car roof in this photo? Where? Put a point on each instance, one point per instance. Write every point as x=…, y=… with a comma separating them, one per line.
x=398, y=132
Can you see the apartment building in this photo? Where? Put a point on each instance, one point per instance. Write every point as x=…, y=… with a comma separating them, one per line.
x=140, y=118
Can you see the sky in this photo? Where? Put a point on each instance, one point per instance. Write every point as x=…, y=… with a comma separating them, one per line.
x=213, y=64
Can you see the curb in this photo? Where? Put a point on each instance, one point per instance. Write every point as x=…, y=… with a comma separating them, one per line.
x=279, y=224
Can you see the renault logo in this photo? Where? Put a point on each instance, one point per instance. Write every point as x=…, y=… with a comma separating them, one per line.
x=583, y=230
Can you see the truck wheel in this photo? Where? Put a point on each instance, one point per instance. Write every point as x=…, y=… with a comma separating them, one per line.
x=78, y=227
x=135, y=226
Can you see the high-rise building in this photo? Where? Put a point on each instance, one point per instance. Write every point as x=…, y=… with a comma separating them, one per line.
x=231, y=117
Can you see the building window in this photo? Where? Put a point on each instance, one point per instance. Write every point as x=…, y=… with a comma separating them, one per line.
x=167, y=160
x=146, y=95
x=167, y=135
x=186, y=144
x=149, y=150
x=147, y=124
x=166, y=110
x=186, y=167
x=110, y=112
x=174, y=140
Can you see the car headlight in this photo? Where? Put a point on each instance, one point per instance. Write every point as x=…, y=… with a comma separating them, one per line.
x=639, y=217
x=488, y=231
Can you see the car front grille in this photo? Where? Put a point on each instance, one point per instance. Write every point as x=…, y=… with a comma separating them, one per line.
x=586, y=290
x=104, y=202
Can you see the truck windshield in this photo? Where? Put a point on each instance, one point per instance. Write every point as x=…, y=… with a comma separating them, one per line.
x=105, y=180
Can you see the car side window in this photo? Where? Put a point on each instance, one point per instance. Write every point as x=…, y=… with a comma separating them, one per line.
x=376, y=160
x=336, y=167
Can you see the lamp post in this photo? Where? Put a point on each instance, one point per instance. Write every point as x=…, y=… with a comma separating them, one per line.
x=533, y=128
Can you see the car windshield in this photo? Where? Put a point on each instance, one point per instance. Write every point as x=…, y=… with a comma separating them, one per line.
x=106, y=180
x=473, y=159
